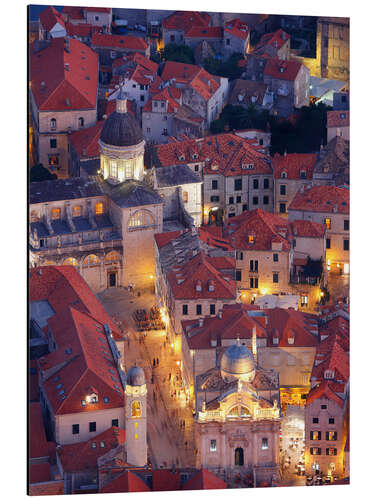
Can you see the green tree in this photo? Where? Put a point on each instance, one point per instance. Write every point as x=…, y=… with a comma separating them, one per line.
x=178, y=53
x=228, y=68
x=39, y=173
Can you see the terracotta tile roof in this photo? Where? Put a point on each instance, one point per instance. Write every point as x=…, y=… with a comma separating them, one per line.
x=83, y=364
x=266, y=228
x=293, y=164
x=204, y=32
x=163, y=239
x=289, y=324
x=74, y=12
x=125, y=482
x=127, y=42
x=235, y=321
x=331, y=356
x=80, y=456
x=103, y=10
x=236, y=28
x=85, y=141
x=324, y=391
x=338, y=118
x=165, y=95
x=38, y=445
x=224, y=154
x=183, y=280
x=61, y=80
x=323, y=199
x=49, y=17
x=308, y=229
x=165, y=480
x=136, y=59
x=276, y=39
x=184, y=20
x=222, y=263
x=204, y=480
x=282, y=70
x=40, y=473
x=48, y=488
x=81, y=29
x=245, y=92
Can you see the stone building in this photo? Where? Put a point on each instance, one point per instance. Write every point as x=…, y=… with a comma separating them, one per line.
x=237, y=423
x=333, y=165
x=236, y=37
x=63, y=98
x=178, y=23
x=99, y=223
x=51, y=24
x=100, y=17
x=338, y=125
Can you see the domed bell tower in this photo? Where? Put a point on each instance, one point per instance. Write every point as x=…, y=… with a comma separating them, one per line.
x=136, y=417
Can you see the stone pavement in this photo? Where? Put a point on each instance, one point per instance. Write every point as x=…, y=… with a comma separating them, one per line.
x=165, y=411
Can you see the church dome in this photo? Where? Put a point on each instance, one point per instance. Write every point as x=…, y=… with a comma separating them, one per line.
x=237, y=362
x=136, y=376
x=121, y=129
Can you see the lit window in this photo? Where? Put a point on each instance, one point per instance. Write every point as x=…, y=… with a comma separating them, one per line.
x=251, y=238
x=91, y=260
x=93, y=444
x=331, y=436
x=53, y=160
x=136, y=425
x=331, y=451
x=264, y=443
x=315, y=451
x=70, y=261
x=112, y=256
x=327, y=222
x=83, y=402
x=185, y=196
x=102, y=444
x=136, y=409
x=315, y=435
x=213, y=445
x=99, y=208
x=141, y=219
x=135, y=436
x=77, y=211
x=55, y=213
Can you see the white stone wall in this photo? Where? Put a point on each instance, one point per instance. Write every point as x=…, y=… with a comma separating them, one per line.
x=315, y=248
x=136, y=426
x=153, y=125
x=99, y=18
x=343, y=132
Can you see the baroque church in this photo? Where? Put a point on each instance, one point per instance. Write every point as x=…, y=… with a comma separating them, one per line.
x=103, y=225
x=237, y=423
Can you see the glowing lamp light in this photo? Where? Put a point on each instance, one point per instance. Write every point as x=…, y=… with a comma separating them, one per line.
x=338, y=265
x=321, y=294
x=263, y=291
x=172, y=345
x=178, y=363
x=151, y=276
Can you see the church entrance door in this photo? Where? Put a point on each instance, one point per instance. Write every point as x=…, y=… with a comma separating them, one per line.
x=112, y=279
x=238, y=456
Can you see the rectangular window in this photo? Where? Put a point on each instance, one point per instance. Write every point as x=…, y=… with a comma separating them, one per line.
x=238, y=199
x=255, y=200
x=282, y=208
x=148, y=130
x=196, y=168
x=213, y=445
x=115, y=422
x=265, y=200
x=253, y=282
x=185, y=196
x=264, y=443
x=184, y=309
x=53, y=143
x=275, y=277
x=239, y=255
x=315, y=435
x=212, y=308
x=323, y=407
x=231, y=200
x=254, y=265
x=199, y=309
x=328, y=243
x=327, y=222
x=142, y=98
x=56, y=213
x=315, y=451
x=215, y=198
x=331, y=420
x=331, y=436
x=331, y=451
x=165, y=118
x=346, y=244
x=75, y=429
x=238, y=184
x=92, y=426
x=315, y=420
x=276, y=257
x=172, y=38
x=266, y=183
x=214, y=184
x=255, y=184
x=238, y=275
x=283, y=189
x=346, y=225
x=227, y=41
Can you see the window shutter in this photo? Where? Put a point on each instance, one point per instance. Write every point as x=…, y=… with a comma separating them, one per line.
x=319, y=435
x=311, y=435
x=327, y=436
x=319, y=451
x=335, y=436
x=311, y=451
x=335, y=452
x=327, y=451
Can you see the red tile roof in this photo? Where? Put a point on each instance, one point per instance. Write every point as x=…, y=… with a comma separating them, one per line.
x=224, y=154
x=136, y=59
x=81, y=29
x=48, y=488
x=125, y=482
x=49, y=17
x=38, y=445
x=308, y=229
x=236, y=28
x=291, y=324
x=331, y=356
x=282, y=70
x=80, y=456
x=40, y=473
x=293, y=164
x=165, y=95
x=163, y=239
x=276, y=39
x=338, y=118
x=204, y=480
x=184, y=20
x=324, y=391
x=127, y=42
x=103, y=10
x=85, y=141
x=165, y=480
x=74, y=12
x=265, y=227
x=183, y=280
x=64, y=81
x=204, y=32
x=323, y=199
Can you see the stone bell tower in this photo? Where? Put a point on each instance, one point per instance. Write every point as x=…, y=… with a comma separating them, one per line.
x=136, y=417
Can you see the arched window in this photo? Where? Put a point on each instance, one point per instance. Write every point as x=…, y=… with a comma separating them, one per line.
x=53, y=123
x=77, y=211
x=238, y=456
x=70, y=261
x=136, y=409
x=112, y=256
x=141, y=219
x=34, y=217
x=99, y=209
x=239, y=411
x=81, y=121
x=91, y=260
x=55, y=213
x=283, y=175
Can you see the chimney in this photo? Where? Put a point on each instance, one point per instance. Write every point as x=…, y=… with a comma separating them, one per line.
x=43, y=85
x=220, y=314
x=67, y=101
x=67, y=44
x=283, y=35
x=201, y=322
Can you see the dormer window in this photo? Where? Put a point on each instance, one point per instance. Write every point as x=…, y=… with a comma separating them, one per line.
x=328, y=374
x=195, y=156
x=92, y=396
x=283, y=175
x=53, y=123
x=275, y=340
x=181, y=158
x=303, y=174
x=211, y=286
x=56, y=213
x=251, y=238
x=81, y=122
x=291, y=340
x=198, y=286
